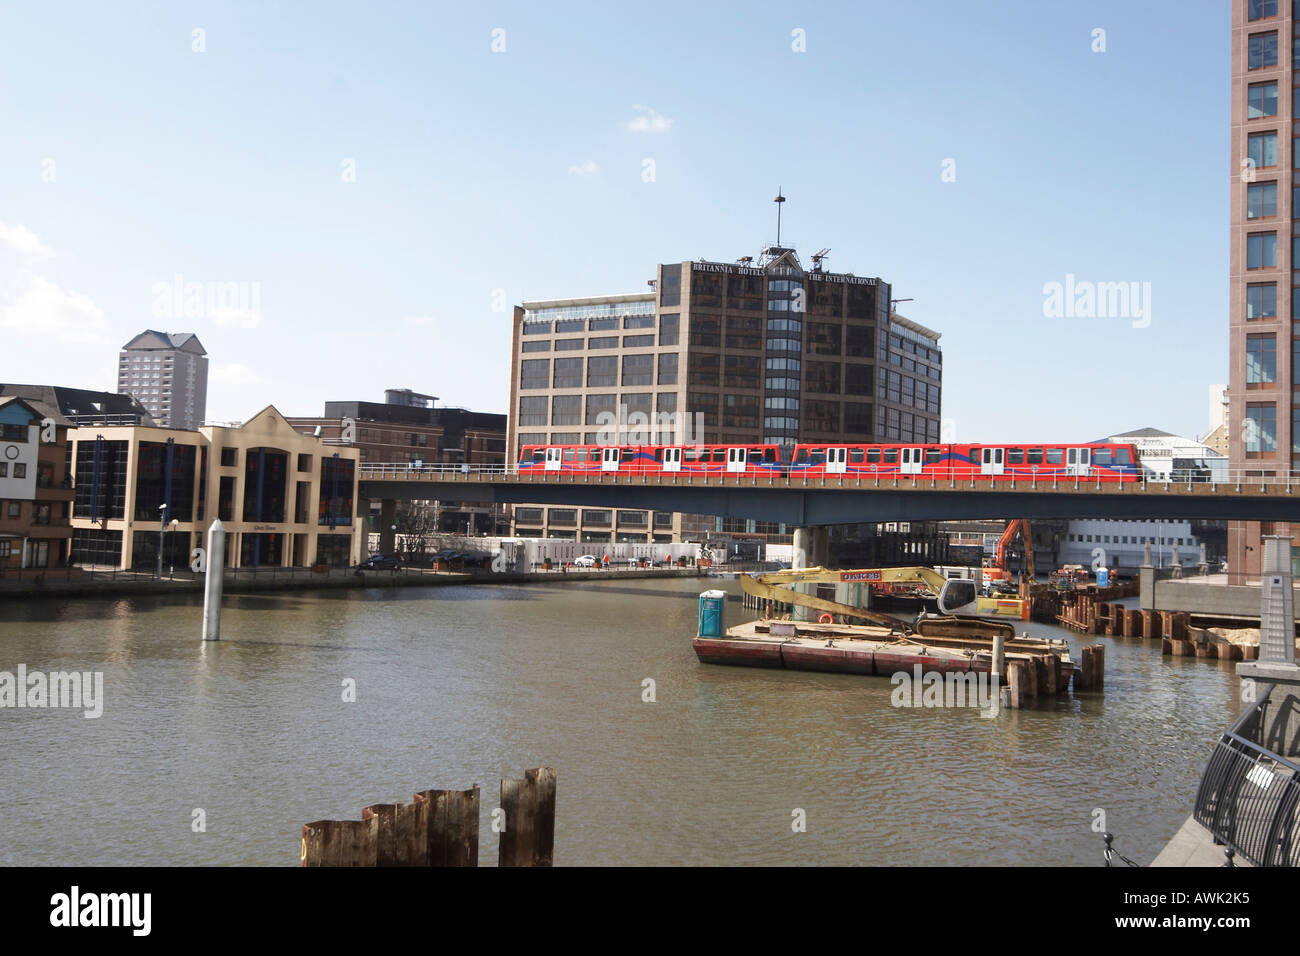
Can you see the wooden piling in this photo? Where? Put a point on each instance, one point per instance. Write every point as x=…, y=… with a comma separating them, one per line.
x=529, y=805
x=1016, y=684
x=448, y=819
x=1132, y=623
x=1151, y=625
x=385, y=830
x=1179, y=621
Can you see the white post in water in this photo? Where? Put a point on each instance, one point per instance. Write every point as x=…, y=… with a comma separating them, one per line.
x=214, y=579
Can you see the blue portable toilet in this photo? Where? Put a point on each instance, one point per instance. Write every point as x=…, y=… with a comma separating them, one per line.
x=1103, y=577
x=712, y=617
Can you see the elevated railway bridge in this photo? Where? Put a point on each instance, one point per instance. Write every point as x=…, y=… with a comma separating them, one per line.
x=807, y=502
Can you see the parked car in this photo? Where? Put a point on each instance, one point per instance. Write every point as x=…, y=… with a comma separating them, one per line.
x=380, y=562
x=586, y=561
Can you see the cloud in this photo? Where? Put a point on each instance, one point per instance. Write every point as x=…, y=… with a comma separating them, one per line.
x=588, y=168
x=23, y=241
x=651, y=122
x=46, y=311
x=421, y=321
x=234, y=374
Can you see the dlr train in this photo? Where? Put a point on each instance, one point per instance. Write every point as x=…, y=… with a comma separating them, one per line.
x=1092, y=461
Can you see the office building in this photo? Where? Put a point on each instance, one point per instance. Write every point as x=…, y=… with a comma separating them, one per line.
x=407, y=429
x=168, y=373
x=1264, y=416
x=285, y=499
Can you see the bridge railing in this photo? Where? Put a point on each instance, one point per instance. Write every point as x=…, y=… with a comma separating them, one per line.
x=1249, y=797
x=1240, y=480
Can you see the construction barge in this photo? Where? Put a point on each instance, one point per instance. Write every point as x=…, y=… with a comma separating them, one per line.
x=952, y=643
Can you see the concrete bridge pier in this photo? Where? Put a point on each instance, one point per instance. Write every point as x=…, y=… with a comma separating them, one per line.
x=387, y=519
x=811, y=550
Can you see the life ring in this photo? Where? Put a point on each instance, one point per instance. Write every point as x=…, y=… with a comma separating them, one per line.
x=825, y=619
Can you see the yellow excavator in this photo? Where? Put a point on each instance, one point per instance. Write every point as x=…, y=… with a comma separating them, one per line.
x=956, y=597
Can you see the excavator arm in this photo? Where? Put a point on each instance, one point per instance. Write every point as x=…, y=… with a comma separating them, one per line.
x=955, y=597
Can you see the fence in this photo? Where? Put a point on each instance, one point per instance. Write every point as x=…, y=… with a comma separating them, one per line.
x=441, y=828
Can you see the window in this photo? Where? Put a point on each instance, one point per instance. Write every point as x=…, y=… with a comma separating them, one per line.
x=566, y=345
x=1261, y=301
x=639, y=322
x=598, y=405
x=15, y=509
x=668, y=368
x=1259, y=9
x=568, y=373
x=1261, y=250
x=1261, y=100
x=822, y=377
x=669, y=328
x=604, y=342
x=638, y=369
x=1262, y=51
x=1261, y=148
x=602, y=371
x=666, y=402
x=1261, y=200
x=643, y=341
x=534, y=373
x=229, y=457
x=566, y=410
x=20, y=469
x=1260, y=432
x=1261, y=359
x=544, y=345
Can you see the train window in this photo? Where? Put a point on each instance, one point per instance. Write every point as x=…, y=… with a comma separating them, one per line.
x=627, y=454
x=1101, y=456
x=891, y=456
x=694, y=454
x=526, y=454
x=817, y=456
x=659, y=455
x=1122, y=457
x=769, y=456
x=802, y=457
x=569, y=455
x=855, y=456
x=719, y=455
x=584, y=455
x=1015, y=456
x=539, y=456
x=1034, y=456
x=932, y=456
x=873, y=456
x=1055, y=456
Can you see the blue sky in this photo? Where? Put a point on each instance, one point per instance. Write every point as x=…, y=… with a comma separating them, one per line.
x=128, y=159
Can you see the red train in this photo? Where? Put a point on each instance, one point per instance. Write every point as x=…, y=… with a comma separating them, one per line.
x=1094, y=461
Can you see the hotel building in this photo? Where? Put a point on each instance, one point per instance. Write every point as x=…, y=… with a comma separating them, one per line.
x=168, y=373
x=744, y=352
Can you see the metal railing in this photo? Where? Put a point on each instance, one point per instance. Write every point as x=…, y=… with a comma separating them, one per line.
x=870, y=476
x=1249, y=797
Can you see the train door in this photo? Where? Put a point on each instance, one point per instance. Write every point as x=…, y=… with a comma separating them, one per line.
x=1078, y=461
x=837, y=461
x=911, y=461
x=736, y=459
x=991, y=461
x=554, y=458
x=672, y=459
x=609, y=458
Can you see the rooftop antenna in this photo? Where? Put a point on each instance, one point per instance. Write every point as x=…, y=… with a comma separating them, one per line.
x=778, y=200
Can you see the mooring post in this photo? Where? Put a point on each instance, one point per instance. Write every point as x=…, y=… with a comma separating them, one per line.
x=999, y=665
x=214, y=581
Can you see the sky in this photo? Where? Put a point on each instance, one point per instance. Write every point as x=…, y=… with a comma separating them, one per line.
x=359, y=193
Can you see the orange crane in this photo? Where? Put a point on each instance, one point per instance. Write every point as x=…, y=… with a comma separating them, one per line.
x=1021, y=526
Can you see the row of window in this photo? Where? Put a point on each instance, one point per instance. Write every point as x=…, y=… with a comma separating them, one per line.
x=1126, y=539
x=40, y=511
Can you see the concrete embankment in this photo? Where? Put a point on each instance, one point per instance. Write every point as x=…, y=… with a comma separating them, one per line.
x=109, y=585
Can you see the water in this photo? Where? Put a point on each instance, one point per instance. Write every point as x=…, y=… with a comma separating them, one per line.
x=464, y=685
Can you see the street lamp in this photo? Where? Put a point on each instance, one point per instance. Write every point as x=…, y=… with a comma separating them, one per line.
x=162, y=527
